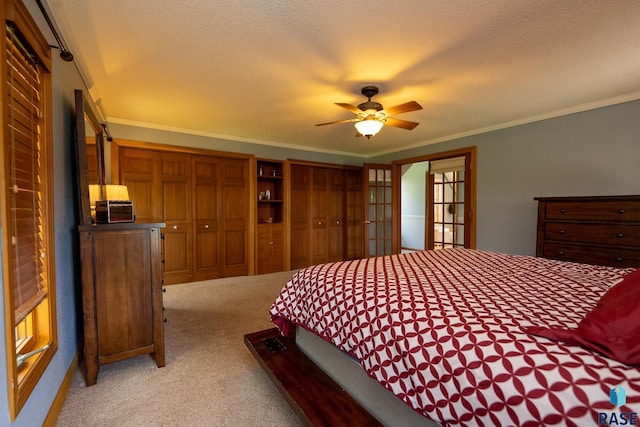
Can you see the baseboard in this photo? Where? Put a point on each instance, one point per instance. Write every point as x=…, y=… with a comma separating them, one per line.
x=61, y=396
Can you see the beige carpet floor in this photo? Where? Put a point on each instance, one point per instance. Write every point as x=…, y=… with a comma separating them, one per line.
x=210, y=377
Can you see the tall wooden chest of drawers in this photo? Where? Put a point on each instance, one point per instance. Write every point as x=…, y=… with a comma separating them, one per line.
x=603, y=230
x=121, y=293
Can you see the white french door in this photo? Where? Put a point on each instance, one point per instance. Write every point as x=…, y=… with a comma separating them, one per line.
x=447, y=203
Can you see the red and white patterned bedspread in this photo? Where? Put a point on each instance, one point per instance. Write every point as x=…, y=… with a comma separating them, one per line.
x=443, y=331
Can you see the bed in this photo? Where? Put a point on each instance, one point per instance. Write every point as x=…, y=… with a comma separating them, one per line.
x=462, y=337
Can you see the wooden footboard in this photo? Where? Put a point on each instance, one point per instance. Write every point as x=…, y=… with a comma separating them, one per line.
x=315, y=397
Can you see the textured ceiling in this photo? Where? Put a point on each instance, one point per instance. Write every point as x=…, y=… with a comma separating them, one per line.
x=267, y=71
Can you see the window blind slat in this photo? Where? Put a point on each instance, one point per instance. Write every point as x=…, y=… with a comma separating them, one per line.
x=29, y=274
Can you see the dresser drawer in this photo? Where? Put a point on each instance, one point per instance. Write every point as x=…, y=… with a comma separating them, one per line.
x=608, y=234
x=592, y=254
x=614, y=210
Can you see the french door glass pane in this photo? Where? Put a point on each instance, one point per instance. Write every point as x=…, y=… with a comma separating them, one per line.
x=448, y=209
x=380, y=212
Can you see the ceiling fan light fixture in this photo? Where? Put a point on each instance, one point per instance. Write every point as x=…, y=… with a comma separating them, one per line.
x=368, y=127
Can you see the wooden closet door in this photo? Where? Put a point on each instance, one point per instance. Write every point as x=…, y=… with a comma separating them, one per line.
x=300, y=178
x=335, y=207
x=139, y=172
x=319, y=215
x=175, y=185
x=354, y=233
x=235, y=216
x=206, y=224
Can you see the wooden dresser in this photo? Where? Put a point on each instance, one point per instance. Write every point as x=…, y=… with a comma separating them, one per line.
x=121, y=293
x=603, y=230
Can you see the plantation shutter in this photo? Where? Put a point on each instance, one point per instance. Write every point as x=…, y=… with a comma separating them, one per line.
x=24, y=145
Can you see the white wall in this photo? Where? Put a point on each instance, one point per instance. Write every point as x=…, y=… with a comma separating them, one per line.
x=413, y=195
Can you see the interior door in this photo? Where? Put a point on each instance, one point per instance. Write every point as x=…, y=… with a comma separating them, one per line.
x=354, y=245
x=175, y=184
x=335, y=208
x=206, y=225
x=319, y=218
x=447, y=203
x=234, y=249
x=378, y=226
x=300, y=216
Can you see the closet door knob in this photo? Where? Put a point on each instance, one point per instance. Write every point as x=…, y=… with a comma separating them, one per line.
x=620, y=235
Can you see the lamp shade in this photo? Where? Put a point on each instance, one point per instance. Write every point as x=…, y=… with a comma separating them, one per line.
x=116, y=192
x=368, y=127
x=109, y=192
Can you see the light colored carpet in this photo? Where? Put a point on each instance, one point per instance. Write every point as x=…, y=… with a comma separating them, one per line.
x=210, y=377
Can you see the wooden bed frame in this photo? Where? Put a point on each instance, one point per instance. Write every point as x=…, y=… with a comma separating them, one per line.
x=602, y=230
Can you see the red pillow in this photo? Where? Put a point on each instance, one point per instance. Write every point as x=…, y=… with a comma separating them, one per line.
x=612, y=327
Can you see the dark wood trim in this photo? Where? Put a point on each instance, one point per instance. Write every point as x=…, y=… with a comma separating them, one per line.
x=63, y=391
x=81, y=154
x=121, y=143
x=322, y=164
x=470, y=186
x=316, y=398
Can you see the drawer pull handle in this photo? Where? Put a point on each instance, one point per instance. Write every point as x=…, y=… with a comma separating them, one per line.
x=618, y=259
x=562, y=231
x=561, y=253
x=563, y=211
x=620, y=235
x=620, y=211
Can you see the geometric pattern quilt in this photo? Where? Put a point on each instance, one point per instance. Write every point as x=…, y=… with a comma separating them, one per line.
x=443, y=331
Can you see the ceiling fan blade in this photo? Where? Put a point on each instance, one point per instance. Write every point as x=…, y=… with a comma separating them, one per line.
x=404, y=124
x=349, y=107
x=403, y=108
x=338, y=121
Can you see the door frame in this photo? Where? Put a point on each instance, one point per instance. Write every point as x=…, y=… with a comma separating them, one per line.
x=470, y=182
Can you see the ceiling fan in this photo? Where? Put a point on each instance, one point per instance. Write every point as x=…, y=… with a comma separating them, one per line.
x=371, y=115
